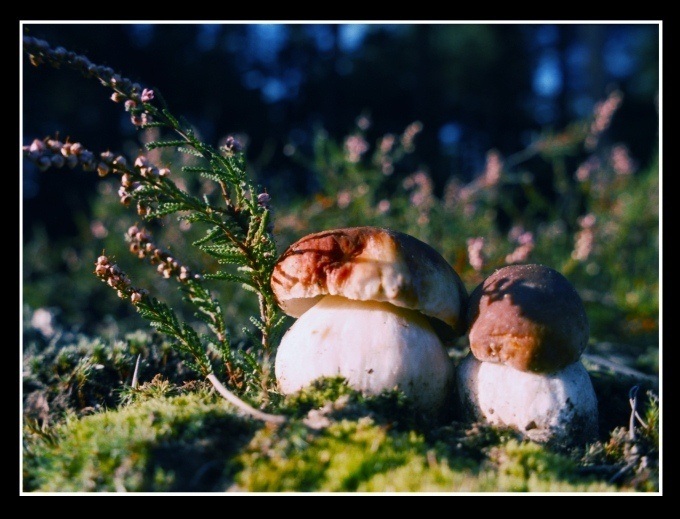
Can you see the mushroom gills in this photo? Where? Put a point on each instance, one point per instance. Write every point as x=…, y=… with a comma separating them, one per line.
x=558, y=407
x=376, y=346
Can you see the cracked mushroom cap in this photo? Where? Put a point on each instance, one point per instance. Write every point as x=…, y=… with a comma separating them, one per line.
x=371, y=264
x=528, y=317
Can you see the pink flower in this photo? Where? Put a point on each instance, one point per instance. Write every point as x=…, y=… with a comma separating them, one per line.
x=586, y=170
x=363, y=122
x=602, y=117
x=585, y=238
x=383, y=206
x=386, y=143
x=344, y=199
x=525, y=244
x=621, y=160
x=493, y=168
x=263, y=200
x=355, y=147
x=147, y=95
x=409, y=135
x=475, y=255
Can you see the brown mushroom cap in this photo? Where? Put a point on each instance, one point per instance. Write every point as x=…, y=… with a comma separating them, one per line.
x=528, y=317
x=370, y=264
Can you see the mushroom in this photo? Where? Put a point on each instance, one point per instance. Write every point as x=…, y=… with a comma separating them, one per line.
x=527, y=330
x=373, y=306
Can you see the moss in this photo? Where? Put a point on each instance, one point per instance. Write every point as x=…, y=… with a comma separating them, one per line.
x=73, y=373
x=365, y=456
x=391, y=407
x=529, y=467
x=193, y=441
x=180, y=444
x=314, y=396
x=339, y=458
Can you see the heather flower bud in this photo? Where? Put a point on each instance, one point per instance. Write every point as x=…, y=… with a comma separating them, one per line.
x=232, y=145
x=100, y=270
x=90, y=165
x=120, y=161
x=124, y=196
x=147, y=95
x=129, y=105
x=54, y=145
x=58, y=161
x=103, y=169
x=44, y=163
x=42, y=45
x=76, y=148
x=142, y=210
x=37, y=145
x=263, y=199
x=66, y=149
x=71, y=161
x=117, y=97
x=107, y=157
x=82, y=61
x=136, y=297
x=164, y=172
x=141, y=162
x=126, y=180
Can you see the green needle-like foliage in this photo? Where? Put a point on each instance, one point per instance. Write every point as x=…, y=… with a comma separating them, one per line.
x=238, y=224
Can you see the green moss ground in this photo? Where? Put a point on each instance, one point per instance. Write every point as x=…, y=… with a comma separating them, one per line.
x=194, y=441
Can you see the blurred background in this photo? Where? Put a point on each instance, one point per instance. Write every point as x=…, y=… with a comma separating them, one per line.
x=495, y=143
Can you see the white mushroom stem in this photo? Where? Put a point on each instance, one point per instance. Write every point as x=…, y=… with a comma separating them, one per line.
x=559, y=407
x=375, y=346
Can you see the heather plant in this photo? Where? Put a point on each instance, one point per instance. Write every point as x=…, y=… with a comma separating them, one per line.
x=236, y=219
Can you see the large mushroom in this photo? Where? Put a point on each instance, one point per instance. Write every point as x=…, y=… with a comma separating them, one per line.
x=527, y=330
x=373, y=306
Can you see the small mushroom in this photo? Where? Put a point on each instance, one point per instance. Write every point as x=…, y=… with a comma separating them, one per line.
x=527, y=330
x=373, y=307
